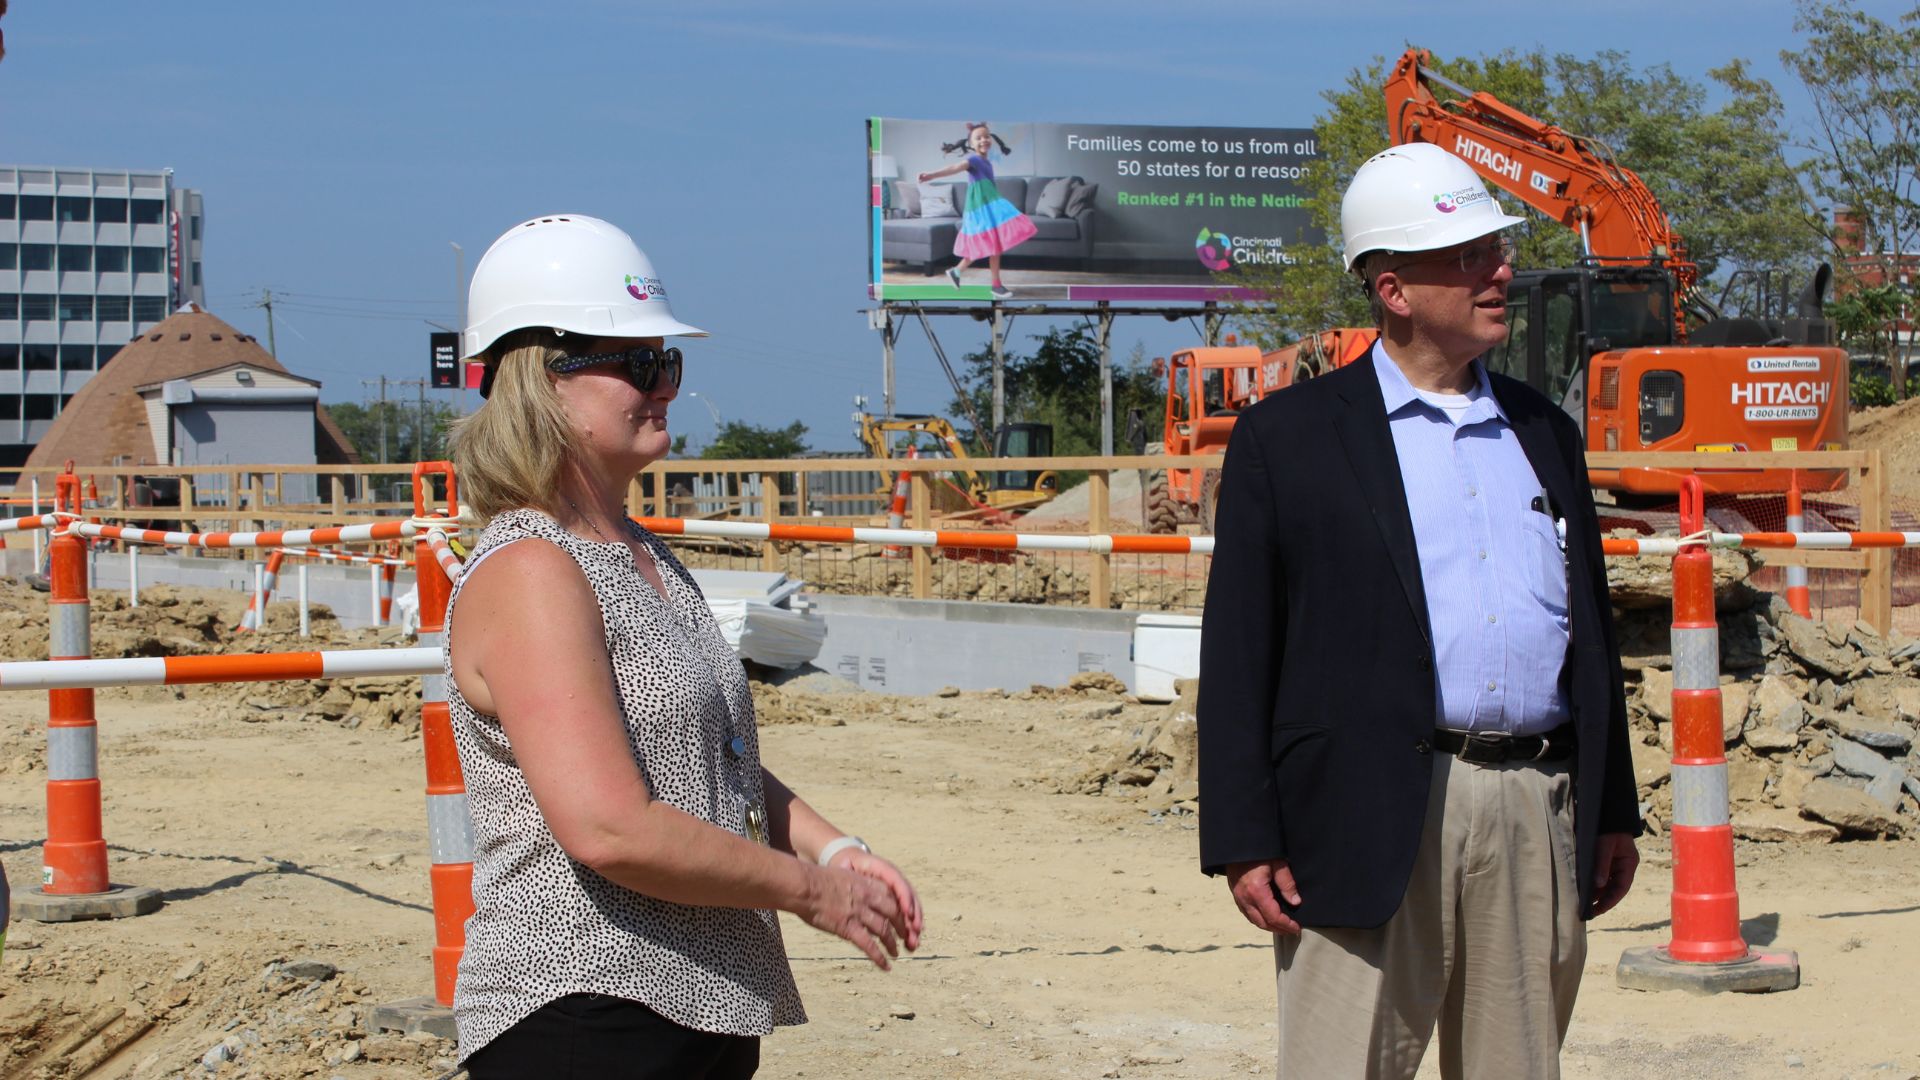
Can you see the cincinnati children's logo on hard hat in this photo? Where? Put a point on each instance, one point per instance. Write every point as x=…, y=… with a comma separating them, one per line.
x=1448, y=202
x=1214, y=250
x=644, y=288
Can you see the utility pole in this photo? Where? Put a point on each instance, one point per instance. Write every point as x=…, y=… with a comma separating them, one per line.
x=266, y=301
x=419, y=427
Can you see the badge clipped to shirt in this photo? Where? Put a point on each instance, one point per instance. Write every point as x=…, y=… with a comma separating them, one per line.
x=1543, y=504
x=753, y=812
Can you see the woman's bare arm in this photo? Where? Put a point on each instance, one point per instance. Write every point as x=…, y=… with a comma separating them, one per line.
x=529, y=649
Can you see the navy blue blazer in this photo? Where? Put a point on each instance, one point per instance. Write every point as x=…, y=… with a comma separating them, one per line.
x=1317, y=695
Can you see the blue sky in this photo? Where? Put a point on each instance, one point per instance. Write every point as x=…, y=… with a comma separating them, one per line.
x=342, y=147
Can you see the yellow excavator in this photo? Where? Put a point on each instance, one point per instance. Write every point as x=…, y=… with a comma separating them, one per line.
x=1012, y=491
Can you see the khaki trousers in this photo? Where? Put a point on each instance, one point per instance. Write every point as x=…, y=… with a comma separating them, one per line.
x=1488, y=942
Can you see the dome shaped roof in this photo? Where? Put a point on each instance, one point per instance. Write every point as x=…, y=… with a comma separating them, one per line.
x=105, y=423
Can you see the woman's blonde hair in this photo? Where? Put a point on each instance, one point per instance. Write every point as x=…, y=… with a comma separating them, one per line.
x=511, y=452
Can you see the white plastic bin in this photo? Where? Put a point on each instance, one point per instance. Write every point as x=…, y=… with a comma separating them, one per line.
x=1165, y=648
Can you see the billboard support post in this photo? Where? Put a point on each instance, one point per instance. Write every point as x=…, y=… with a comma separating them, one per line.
x=888, y=335
x=1105, y=335
x=893, y=318
x=999, y=373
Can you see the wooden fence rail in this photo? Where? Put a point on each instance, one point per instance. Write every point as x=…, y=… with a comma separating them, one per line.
x=249, y=496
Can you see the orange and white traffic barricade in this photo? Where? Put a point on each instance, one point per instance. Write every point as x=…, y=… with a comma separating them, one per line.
x=293, y=538
x=897, y=513
x=1099, y=543
x=449, y=825
x=1707, y=953
x=444, y=554
x=39, y=541
x=1784, y=541
x=387, y=572
x=1799, y=598
x=229, y=668
x=74, y=882
x=342, y=556
x=256, y=616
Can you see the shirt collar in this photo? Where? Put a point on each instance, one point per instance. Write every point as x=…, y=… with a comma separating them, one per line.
x=1398, y=393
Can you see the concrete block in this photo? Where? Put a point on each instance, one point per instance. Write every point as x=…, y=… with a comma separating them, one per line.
x=118, y=902
x=1760, y=971
x=919, y=646
x=411, y=1015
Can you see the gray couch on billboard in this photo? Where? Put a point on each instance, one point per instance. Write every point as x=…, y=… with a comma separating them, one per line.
x=909, y=236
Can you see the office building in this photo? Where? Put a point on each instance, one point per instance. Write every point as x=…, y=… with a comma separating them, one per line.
x=89, y=259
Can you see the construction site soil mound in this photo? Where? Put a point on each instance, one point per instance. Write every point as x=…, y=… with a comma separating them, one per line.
x=1894, y=430
x=1070, y=932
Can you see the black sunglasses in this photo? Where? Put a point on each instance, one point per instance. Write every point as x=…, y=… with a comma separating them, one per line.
x=643, y=367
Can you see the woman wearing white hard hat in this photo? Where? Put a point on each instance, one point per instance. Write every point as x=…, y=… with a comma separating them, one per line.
x=630, y=849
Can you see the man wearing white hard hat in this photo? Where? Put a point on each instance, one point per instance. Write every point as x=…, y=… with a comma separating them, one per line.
x=630, y=850
x=1414, y=765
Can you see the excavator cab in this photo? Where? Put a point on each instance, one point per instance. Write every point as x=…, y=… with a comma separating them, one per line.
x=1558, y=319
x=1022, y=440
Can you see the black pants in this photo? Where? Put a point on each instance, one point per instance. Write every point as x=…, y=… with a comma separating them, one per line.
x=593, y=1036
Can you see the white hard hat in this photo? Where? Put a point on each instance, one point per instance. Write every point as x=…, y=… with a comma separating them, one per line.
x=569, y=272
x=1416, y=197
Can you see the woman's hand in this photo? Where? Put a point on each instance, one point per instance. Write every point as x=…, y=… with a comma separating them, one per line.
x=879, y=869
x=859, y=908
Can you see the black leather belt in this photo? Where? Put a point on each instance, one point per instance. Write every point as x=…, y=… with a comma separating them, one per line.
x=1495, y=747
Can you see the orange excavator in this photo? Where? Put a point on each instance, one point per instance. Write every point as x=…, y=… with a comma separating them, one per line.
x=1206, y=389
x=1623, y=340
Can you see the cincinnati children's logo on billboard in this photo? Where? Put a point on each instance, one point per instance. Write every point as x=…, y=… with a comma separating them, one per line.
x=644, y=288
x=1214, y=250
x=1220, y=251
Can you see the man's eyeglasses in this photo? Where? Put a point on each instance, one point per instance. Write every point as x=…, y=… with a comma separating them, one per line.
x=1478, y=259
x=644, y=365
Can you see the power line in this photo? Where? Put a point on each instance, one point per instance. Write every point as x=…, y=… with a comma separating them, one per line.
x=346, y=313
x=363, y=299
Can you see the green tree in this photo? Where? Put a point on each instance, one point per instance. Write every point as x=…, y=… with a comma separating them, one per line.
x=1721, y=174
x=1867, y=318
x=413, y=431
x=1863, y=75
x=738, y=441
x=1059, y=384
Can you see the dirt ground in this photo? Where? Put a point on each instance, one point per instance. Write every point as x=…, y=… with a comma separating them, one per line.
x=1895, y=431
x=1069, y=934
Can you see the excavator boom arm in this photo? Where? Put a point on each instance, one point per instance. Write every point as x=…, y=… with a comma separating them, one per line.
x=1567, y=177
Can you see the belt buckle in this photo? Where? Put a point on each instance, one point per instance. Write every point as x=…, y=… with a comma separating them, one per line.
x=1486, y=747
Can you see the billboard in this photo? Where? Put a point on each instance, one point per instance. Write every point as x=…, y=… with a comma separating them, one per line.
x=1120, y=212
x=445, y=372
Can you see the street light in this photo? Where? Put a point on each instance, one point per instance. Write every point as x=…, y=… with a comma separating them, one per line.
x=712, y=410
x=460, y=303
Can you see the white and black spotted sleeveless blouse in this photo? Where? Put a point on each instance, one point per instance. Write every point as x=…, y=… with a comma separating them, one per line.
x=545, y=926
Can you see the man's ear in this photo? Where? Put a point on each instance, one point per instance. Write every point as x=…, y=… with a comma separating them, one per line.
x=1393, y=296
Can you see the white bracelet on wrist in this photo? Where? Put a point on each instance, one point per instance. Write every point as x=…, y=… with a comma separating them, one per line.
x=840, y=844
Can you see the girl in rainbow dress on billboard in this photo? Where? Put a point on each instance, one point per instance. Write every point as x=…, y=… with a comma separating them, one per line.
x=989, y=224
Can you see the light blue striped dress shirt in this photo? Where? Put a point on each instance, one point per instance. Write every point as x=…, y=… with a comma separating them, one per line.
x=1492, y=566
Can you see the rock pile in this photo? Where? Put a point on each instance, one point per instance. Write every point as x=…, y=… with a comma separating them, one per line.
x=1155, y=758
x=1820, y=723
x=223, y=1015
